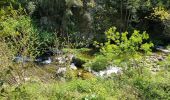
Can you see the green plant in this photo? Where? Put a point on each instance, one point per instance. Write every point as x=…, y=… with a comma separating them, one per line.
x=152, y=88
x=19, y=37
x=98, y=63
x=25, y=38
x=125, y=47
x=120, y=43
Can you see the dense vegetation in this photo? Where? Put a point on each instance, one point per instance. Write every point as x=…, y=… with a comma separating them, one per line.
x=84, y=49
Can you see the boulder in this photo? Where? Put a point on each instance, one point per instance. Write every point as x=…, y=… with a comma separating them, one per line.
x=160, y=48
x=61, y=72
x=73, y=67
x=48, y=61
x=22, y=59
x=108, y=72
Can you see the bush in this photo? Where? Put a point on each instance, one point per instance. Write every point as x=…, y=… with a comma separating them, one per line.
x=150, y=89
x=76, y=89
x=25, y=38
x=122, y=48
x=164, y=16
x=120, y=43
x=99, y=63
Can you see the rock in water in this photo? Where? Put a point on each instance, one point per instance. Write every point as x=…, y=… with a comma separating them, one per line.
x=102, y=73
x=112, y=70
x=18, y=59
x=73, y=67
x=108, y=72
x=21, y=59
x=160, y=48
x=48, y=61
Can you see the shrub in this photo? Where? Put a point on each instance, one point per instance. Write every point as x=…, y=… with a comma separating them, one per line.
x=152, y=89
x=122, y=48
x=25, y=38
x=75, y=89
x=119, y=43
x=99, y=63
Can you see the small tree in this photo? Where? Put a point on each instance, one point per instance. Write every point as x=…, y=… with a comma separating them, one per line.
x=119, y=45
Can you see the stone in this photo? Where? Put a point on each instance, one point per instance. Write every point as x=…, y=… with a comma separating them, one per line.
x=61, y=71
x=61, y=60
x=73, y=67
x=48, y=61
x=159, y=48
x=108, y=72
x=70, y=57
x=38, y=60
x=21, y=59
x=160, y=58
x=115, y=70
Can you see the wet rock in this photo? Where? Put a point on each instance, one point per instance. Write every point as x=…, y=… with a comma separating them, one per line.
x=73, y=67
x=111, y=69
x=22, y=59
x=38, y=60
x=108, y=72
x=43, y=60
x=165, y=51
x=48, y=61
x=160, y=48
x=18, y=59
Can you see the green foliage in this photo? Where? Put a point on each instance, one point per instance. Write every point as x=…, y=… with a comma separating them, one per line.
x=161, y=13
x=119, y=43
x=6, y=55
x=147, y=86
x=26, y=39
x=99, y=63
x=122, y=49
x=9, y=27
x=75, y=89
x=76, y=22
x=153, y=89
x=165, y=65
x=130, y=15
x=119, y=13
x=11, y=9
